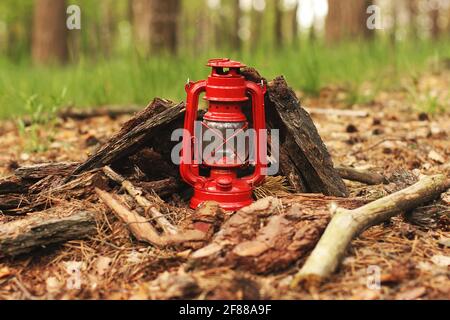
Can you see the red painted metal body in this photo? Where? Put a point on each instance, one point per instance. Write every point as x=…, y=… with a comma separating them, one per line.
x=227, y=92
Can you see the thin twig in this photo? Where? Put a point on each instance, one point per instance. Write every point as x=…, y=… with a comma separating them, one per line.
x=136, y=193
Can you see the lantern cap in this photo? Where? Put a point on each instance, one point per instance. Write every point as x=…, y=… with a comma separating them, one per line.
x=224, y=63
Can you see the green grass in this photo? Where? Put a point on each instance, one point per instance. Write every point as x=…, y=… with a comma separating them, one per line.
x=130, y=79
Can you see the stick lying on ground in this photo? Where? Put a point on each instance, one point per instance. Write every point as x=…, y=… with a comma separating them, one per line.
x=110, y=111
x=347, y=224
x=136, y=193
x=363, y=176
x=338, y=112
x=142, y=229
x=43, y=229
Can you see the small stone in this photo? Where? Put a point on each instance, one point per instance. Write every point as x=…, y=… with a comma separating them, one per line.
x=376, y=121
x=411, y=294
x=24, y=156
x=441, y=260
x=433, y=155
x=377, y=131
x=423, y=116
x=351, y=128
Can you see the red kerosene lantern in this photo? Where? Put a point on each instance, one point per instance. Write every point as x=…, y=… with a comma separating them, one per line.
x=224, y=174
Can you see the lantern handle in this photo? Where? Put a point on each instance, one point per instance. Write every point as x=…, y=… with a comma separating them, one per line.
x=188, y=170
x=257, y=91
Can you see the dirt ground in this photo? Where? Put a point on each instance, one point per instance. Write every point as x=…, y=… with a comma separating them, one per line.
x=412, y=255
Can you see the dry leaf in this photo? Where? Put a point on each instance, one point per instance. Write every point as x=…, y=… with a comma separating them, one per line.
x=440, y=260
x=433, y=155
x=411, y=294
x=53, y=285
x=5, y=272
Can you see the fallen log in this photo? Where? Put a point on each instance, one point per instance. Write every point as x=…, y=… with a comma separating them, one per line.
x=304, y=158
x=347, y=224
x=363, y=176
x=43, y=229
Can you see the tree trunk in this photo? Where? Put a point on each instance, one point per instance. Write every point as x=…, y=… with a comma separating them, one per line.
x=413, y=13
x=164, y=25
x=278, y=23
x=256, y=27
x=434, y=17
x=107, y=27
x=49, y=31
x=141, y=20
x=235, y=39
x=294, y=23
x=347, y=19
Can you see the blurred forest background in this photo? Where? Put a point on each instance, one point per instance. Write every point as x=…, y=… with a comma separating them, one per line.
x=129, y=51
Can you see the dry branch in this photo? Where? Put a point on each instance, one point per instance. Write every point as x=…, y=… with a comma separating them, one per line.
x=363, y=176
x=338, y=112
x=110, y=111
x=347, y=224
x=142, y=229
x=136, y=193
x=43, y=229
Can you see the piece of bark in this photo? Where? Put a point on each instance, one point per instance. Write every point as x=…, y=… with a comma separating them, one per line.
x=281, y=242
x=43, y=229
x=301, y=141
x=364, y=176
x=11, y=201
x=271, y=239
x=136, y=193
x=305, y=159
x=347, y=224
x=31, y=178
x=240, y=227
x=208, y=217
x=13, y=184
x=134, y=134
x=39, y=171
x=142, y=229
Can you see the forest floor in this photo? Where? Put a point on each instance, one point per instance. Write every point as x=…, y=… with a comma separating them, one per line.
x=404, y=129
